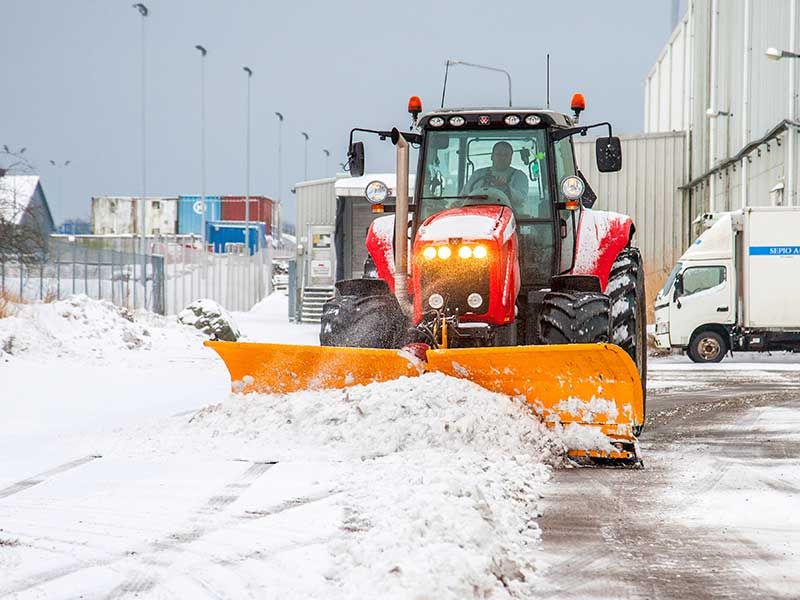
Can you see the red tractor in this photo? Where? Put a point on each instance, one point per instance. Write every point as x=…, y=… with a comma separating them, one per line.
x=506, y=249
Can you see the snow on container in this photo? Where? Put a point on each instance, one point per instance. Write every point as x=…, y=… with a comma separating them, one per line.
x=222, y=233
x=190, y=213
x=260, y=209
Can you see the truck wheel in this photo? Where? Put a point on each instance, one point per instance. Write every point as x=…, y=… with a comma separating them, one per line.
x=626, y=292
x=707, y=347
x=574, y=318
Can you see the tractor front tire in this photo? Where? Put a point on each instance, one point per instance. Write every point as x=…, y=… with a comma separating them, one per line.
x=574, y=318
x=626, y=291
x=363, y=320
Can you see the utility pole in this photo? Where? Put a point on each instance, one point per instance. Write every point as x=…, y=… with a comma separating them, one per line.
x=249, y=72
x=144, y=12
x=203, y=53
x=305, y=168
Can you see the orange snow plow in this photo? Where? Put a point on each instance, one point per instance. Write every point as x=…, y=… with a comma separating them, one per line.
x=592, y=392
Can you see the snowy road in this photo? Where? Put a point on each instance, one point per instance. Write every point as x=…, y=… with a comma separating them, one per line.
x=714, y=512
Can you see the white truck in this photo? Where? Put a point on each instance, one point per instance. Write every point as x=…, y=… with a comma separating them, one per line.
x=737, y=287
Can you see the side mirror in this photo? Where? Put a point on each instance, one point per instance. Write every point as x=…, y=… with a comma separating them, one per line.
x=355, y=157
x=677, y=288
x=608, y=151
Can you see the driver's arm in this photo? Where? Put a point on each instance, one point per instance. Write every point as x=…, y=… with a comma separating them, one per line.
x=518, y=185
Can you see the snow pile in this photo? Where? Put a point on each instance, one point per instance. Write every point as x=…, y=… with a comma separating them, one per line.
x=444, y=479
x=77, y=327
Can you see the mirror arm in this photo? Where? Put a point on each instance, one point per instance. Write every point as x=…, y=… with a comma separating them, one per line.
x=563, y=133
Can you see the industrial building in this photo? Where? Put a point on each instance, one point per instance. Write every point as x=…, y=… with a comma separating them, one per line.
x=120, y=215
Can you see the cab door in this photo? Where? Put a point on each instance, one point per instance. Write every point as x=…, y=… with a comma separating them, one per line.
x=702, y=294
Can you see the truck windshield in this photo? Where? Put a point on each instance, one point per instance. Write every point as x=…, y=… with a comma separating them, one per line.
x=486, y=166
x=670, y=280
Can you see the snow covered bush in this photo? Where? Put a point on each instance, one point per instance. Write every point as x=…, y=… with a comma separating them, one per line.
x=213, y=320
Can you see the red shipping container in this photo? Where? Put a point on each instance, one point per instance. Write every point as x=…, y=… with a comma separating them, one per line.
x=232, y=209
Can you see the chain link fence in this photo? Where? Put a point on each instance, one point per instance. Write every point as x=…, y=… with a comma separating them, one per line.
x=174, y=272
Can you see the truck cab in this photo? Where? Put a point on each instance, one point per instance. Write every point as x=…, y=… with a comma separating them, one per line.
x=699, y=296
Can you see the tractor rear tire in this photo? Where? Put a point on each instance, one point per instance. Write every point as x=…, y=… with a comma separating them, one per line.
x=575, y=318
x=628, y=313
x=363, y=321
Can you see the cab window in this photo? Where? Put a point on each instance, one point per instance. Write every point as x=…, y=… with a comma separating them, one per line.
x=698, y=279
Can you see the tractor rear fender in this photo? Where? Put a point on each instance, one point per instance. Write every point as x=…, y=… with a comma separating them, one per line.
x=602, y=235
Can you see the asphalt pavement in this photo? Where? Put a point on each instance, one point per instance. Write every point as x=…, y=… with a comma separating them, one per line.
x=713, y=512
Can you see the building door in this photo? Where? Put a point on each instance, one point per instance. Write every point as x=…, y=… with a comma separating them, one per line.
x=320, y=271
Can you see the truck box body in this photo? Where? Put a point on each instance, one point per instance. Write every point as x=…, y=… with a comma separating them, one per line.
x=771, y=267
x=190, y=213
x=233, y=209
x=221, y=233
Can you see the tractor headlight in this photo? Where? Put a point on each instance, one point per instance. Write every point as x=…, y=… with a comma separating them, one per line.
x=436, y=301
x=444, y=252
x=511, y=120
x=533, y=120
x=474, y=300
x=436, y=121
x=572, y=187
x=429, y=253
x=479, y=252
x=465, y=252
x=376, y=192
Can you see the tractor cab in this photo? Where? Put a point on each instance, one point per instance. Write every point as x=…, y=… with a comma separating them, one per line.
x=506, y=157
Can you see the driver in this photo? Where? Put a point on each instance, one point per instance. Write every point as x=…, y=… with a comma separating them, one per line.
x=500, y=176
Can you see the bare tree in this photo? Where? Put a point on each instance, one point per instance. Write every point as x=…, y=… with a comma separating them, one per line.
x=22, y=227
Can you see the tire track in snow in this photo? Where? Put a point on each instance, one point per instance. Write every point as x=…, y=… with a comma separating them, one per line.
x=136, y=581
x=197, y=527
x=21, y=486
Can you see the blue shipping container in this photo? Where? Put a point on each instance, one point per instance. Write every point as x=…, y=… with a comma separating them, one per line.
x=190, y=213
x=220, y=233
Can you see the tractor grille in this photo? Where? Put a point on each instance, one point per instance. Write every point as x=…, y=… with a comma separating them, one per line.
x=455, y=279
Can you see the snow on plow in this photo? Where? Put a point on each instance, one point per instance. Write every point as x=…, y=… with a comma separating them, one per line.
x=590, y=392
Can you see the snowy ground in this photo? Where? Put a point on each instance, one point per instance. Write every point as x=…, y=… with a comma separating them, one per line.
x=128, y=469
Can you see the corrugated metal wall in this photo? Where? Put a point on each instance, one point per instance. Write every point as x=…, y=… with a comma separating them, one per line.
x=681, y=77
x=654, y=166
x=316, y=205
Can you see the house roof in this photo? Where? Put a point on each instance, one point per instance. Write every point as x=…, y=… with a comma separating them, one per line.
x=16, y=194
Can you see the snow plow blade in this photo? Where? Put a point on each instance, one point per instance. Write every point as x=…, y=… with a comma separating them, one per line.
x=592, y=392
x=284, y=368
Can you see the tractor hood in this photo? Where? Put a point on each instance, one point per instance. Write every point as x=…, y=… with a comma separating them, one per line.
x=468, y=223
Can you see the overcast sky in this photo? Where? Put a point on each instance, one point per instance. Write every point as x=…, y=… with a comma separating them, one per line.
x=70, y=84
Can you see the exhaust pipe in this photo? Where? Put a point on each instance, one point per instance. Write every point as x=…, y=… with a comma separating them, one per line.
x=401, y=226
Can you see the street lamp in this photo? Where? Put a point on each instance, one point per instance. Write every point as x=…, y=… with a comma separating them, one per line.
x=305, y=170
x=144, y=12
x=775, y=54
x=249, y=72
x=280, y=154
x=203, y=53
x=327, y=154
x=60, y=168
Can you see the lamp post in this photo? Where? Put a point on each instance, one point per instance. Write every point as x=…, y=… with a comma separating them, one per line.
x=280, y=155
x=327, y=154
x=203, y=53
x=249, y=72
x=305, y=169
x=144, y=12
x=60, y=167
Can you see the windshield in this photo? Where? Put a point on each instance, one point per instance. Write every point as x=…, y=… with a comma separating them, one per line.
x=506, y=167
x=670, y=280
